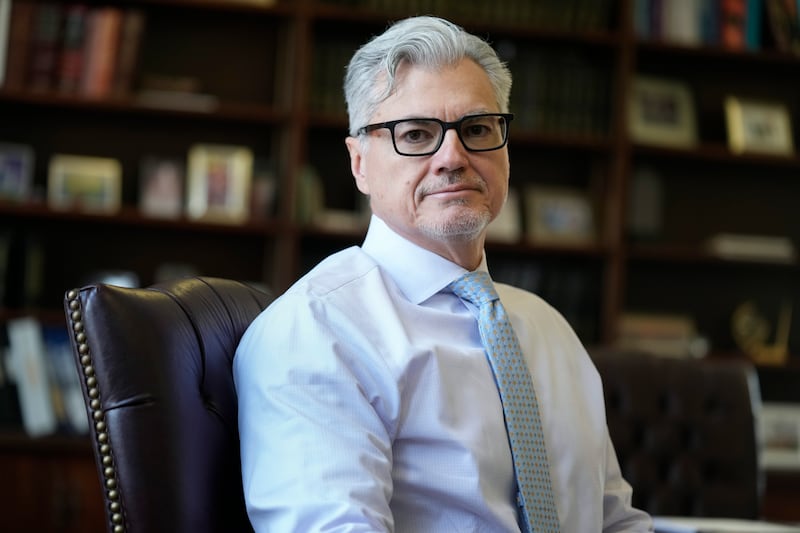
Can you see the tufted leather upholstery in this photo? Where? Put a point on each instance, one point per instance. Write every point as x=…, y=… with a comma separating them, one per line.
x=685, y=433
x=156, y=367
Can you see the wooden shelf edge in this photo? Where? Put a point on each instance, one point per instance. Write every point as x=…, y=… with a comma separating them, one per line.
x=718, y=153
x=130, y=216
x=694, y=254
x=222, y=110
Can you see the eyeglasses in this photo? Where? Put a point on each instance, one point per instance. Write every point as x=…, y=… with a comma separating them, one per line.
x=424, y=136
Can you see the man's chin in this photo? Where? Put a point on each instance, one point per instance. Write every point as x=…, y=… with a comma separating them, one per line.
x=464, y=227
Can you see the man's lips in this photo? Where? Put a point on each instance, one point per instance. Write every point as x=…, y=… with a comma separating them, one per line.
x=453, y=190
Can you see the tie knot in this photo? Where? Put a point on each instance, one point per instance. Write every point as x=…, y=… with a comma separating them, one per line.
x=475, y=287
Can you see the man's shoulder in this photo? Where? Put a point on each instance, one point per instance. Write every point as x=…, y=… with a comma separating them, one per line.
x=522, y=302
x=519, y=295
x=339, y=270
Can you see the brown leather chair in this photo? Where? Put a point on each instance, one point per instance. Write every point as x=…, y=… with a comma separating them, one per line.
x=156, y=377
x=685, y=432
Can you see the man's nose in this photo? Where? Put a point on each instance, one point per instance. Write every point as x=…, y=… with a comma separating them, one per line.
x=452, y=154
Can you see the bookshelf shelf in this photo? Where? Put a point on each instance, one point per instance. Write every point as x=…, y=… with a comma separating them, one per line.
x=697, y=255
x=716, y=153
x=759, y=59
x=129, y=216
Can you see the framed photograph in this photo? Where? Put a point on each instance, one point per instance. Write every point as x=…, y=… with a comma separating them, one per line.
x=758, y=127
x=507, y=227
x=780, y=430
x=16, y=172
x=92, y=184
x=662, y=112
x=161, y=182
x=219, y=183
x=559, y=215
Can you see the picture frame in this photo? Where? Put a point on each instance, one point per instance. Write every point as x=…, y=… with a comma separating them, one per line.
x=661, y=112
x=84, y=183
x=219, y=182
x=780, y=431
x=507, y=226
x=758, y=126
x=16, y=172
x=559, y=215
x=161, y=185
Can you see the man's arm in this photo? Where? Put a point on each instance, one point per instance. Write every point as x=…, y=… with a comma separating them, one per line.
x=316, y=454
x=618, y=514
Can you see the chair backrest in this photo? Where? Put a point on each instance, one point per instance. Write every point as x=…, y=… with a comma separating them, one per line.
x=685, y=432
x=157, y=380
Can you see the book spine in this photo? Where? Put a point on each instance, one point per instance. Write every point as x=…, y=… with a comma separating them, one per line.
x=71, y=60
x=45, y=46
x=5, y=21
x=102, y=42
x=753, y=24
x=732, y=24
x=19, y=37
x=133, y=23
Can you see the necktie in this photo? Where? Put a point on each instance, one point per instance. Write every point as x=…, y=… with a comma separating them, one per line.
x=520, y=407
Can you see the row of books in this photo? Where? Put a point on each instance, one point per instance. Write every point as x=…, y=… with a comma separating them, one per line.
x=571, y=289
x=555, y=90
x=39, y=380
x=559, y=91
x=565, y=15
x=72, y=48
x=732, y=24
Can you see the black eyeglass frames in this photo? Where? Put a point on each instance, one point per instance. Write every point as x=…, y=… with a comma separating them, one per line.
x=424, y=136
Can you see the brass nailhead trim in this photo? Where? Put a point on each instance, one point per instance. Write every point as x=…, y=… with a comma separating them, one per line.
x=109, y=472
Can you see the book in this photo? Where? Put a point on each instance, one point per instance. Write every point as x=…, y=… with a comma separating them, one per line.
x=18, y=50
x=753, y=24
x=5, y=30
x=65, y=380
x=662, y=334
x=732, y=24
x=681, y=22
x=28, y=366
x=24, y=269
x=133, y=23
x=44, y=46
x=70, y=65
x=784, y=24
x=100, y=51
x=752, y=247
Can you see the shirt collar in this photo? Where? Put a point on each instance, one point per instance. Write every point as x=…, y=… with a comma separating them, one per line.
x=418, y=273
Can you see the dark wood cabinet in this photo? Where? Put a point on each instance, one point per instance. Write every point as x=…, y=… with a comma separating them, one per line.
x=50, y=485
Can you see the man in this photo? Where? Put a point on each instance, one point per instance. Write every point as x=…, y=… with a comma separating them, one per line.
x=367, y=400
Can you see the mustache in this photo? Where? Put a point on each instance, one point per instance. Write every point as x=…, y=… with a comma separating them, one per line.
x=455, y=178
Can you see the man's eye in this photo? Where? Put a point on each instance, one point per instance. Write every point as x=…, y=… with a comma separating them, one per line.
x=477, y=130
x=415, y=136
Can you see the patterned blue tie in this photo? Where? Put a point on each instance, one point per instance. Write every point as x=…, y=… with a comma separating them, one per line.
x=519, y=402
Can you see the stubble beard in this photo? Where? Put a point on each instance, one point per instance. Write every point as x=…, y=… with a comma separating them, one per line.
x=467, y=225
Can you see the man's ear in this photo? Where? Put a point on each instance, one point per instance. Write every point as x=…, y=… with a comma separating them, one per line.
x=354, y=147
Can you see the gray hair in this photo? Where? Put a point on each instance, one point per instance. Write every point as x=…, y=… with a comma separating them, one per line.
x=426, y=41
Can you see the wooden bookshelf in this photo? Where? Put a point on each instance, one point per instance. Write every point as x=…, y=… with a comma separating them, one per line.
x=274, y=70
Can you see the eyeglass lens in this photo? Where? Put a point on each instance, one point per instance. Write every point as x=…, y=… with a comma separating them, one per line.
x=420, y=136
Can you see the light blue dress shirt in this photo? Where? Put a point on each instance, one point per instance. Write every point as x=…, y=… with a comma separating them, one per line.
x=366, y=403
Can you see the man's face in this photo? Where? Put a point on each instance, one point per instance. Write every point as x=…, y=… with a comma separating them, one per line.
x=446, y=198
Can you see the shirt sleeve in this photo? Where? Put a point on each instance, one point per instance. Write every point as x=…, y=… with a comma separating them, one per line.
x=315, y=442
x=618, y=513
